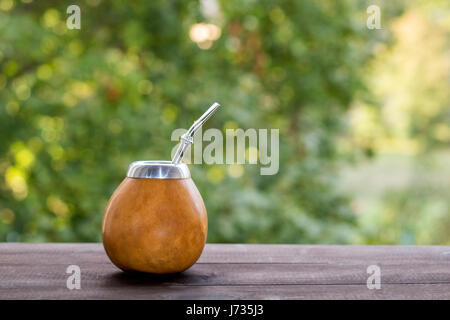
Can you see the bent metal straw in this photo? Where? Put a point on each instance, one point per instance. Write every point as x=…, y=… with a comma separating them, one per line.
x=188, y=138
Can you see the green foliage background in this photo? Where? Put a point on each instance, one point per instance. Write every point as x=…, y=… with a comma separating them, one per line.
x=77, y=106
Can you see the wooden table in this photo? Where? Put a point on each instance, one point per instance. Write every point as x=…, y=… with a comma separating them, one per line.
x=38, y=271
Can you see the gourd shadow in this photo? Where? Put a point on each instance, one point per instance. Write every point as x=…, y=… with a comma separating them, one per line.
x=127, y=278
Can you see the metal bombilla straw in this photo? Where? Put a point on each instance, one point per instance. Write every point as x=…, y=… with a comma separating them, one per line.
x=188, y=138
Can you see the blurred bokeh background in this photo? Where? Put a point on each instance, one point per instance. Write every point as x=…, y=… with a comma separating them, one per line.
x=364, y=115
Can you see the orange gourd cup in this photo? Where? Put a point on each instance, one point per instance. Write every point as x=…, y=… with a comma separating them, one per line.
x=156, y=220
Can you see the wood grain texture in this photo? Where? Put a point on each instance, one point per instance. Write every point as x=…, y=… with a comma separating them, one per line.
x=38, y=271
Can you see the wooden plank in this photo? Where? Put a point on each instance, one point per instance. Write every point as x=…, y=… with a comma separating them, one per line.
x=13, y=276
x=277, y=292
x=37, y=271
x=239, y=253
